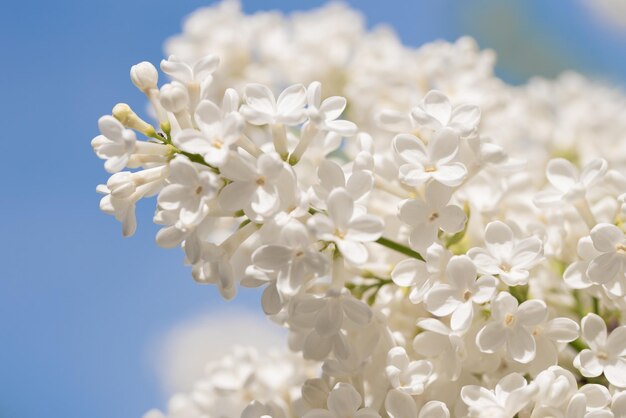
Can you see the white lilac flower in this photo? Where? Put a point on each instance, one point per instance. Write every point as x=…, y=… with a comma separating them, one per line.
x=323, y=320
x=295, y=257
x=263, y=108
x=591, y=401
x=426, y=217
x=606, y=353
x=443, y=346
x=459, y=296
x=549, y=337
x=610, y=264
x=324, y=114
x=346, y=226
x=254, y=185
x=343, y=402
x=218, y=133
x=556, y=387
x=420, y=275
x=511, y=394
x=190, y=190
x=568, y=185
x=331, y=176
x=407, y=376
x=421, y=163
x=116, y=144
x=506, y=256
x=511, y=325
x=195, y=78
x=436, y=112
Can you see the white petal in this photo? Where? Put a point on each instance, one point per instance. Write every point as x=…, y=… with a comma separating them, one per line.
x=236, y=195
x=437, y=104
x=357, y=311
x=491, y=337
x=441, y=300
x=400, y=405
x=615, y=372
x=365, y=228
x=465, y=118
x=593, y=171
x=409, y=148
x=562, y=174
x=606, y=237
x=532, y=312
x=353, y=252
x=443, y=146
x=616, y=342
x=433, y=409
x=291, y=100
x=452, y=219
x=270, y=300
x=587, y=362
x=521, y=345
x=406, y=271
x=561, y=330
x=333, y=107
x=594, y=331
x=270, y=257
x=344, y=400
x=340, y=208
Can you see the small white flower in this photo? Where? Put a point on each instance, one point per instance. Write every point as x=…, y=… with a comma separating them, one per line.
x=506, y=256
x=346, y=226
x=407, y=376
x=343, y=402
x=605, y=354
x=262, y=107
x=590, y=401
x=458, y=297
x=323, y=318
x=426, y=217
x=419, y=275
x=610, y=265
x=215, y=267
x=324, y=114
x=116, y=144
x=295, y=258
x=512, y=325
x=436, y=112
x=254, y=184
x=432, y=162
x=549, y=337
x=569, y=186
x=195, y=79
x=331, y=176
x=191, y=187
x=218, y=132
x=511, y=394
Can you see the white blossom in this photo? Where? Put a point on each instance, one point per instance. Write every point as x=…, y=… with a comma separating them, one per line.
x=511, y=326
x=505, y=255
x=606, y=353
x=421, y=163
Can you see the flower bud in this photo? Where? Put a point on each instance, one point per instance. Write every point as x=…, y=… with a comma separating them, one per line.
x=174, y=97
x=144, y=76
x=123, y=113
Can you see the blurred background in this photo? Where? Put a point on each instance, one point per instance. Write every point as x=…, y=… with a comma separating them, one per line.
x=87, y=317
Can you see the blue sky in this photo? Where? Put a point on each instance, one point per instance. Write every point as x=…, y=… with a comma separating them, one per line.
x=80, y=307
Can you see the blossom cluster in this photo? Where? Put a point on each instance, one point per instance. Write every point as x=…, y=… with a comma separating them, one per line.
x=436, y=242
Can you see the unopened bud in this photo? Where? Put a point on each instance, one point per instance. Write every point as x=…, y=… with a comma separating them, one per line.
x=129, y=119
x=174, y=97
x=144, y=76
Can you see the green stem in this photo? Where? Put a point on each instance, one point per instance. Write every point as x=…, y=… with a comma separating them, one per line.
x=399, y=248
